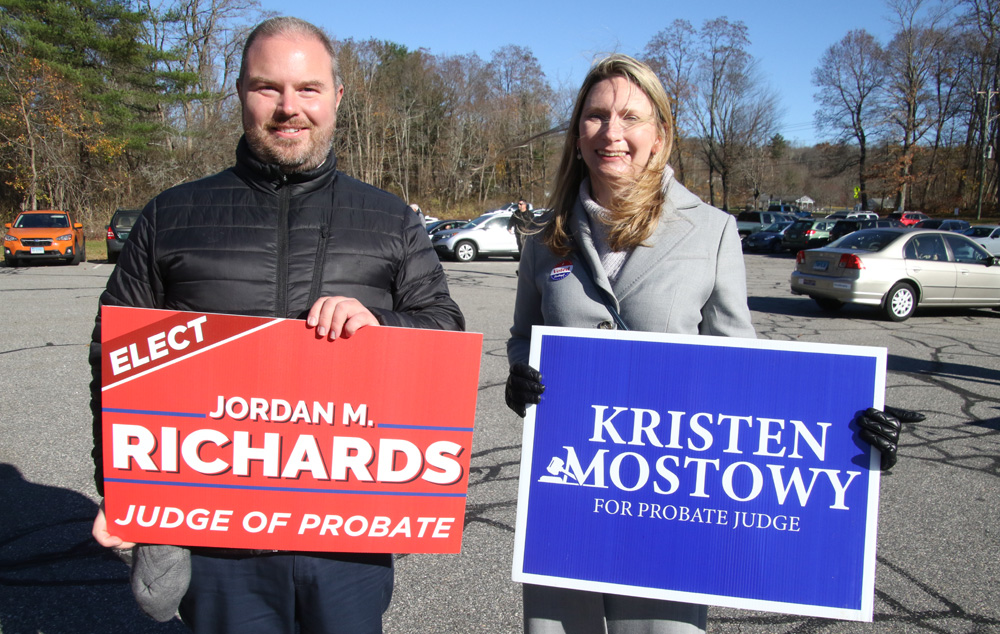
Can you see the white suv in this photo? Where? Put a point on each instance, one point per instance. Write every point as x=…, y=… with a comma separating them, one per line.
x=853, y=215
x=488, y=234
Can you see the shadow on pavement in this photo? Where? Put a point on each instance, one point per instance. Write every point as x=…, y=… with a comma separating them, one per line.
x=942, y=369
x=54, y=577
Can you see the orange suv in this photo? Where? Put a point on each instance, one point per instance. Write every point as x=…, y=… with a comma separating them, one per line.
x=39, y=236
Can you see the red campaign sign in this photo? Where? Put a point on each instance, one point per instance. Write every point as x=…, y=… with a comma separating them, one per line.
x=249, y=432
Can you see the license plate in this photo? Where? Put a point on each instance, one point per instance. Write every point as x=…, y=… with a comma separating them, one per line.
x=38, y=250
x=808, y=282
x=820, y=265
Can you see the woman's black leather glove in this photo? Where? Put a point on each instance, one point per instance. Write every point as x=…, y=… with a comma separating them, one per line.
x=881, y=429
x=904, y=415
x=524, y=387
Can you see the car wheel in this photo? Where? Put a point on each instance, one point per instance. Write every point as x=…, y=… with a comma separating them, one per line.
x=516, y=257
x=11, y=263
x=83, y=252
x=112, y=257
x=900, y=302
x=466, y=251
x=828, y=303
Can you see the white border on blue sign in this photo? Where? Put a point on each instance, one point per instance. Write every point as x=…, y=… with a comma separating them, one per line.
x=866, y=610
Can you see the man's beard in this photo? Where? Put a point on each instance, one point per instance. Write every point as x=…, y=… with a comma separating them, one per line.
x=291, y=155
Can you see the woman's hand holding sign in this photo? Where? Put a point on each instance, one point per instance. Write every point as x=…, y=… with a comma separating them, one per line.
x=524, y=387
x=881, y=429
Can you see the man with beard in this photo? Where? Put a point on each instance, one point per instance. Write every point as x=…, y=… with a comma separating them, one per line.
x=282, y=234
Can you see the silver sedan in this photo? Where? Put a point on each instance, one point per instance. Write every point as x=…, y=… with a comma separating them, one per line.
x=898, y=270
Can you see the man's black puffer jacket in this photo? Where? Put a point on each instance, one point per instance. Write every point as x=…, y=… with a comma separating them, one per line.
x=254, y=241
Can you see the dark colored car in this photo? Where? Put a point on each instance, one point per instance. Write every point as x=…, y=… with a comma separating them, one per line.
x=807, y=234
x=844, y=227
x=769, y=239
x=943, y=225
x=118, y=230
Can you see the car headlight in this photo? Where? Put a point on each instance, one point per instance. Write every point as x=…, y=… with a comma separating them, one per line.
x=64, y=237
x=10, y=238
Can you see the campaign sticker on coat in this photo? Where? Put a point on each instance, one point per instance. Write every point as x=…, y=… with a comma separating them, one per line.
x=707, y=470
x=248, y=432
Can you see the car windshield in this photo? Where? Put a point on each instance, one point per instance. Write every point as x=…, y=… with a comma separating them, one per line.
x=42, y=221
x=778, y=226
x=865, y=240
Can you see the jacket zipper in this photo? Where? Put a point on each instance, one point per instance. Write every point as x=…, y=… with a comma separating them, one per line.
x=281, y=278
x=324, y=235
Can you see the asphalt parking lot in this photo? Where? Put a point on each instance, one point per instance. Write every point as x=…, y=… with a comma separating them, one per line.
x=938, y=542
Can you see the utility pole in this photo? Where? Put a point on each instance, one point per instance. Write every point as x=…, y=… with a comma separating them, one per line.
x=983, y=141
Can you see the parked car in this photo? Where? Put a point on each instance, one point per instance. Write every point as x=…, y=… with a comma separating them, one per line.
x=843, y=227
x=784, y=208
x=748, y=222
x=444, y=225
x=488, y=234
x=118, y=230
x=898, y=270
x=908, y=218
x=44, y=236
x=769, y=239
x=807, y=234
x=943, y=225
x=853, y=215
x=986, y=235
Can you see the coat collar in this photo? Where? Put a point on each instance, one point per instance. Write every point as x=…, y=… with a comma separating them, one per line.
x=269, y=177
x=671, y=228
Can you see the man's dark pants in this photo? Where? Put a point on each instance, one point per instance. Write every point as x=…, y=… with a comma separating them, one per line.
x=269, y=593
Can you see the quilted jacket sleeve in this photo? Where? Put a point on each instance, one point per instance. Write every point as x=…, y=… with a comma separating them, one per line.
x=420, y=295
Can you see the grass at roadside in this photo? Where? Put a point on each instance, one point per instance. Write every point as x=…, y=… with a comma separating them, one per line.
x=97, y=250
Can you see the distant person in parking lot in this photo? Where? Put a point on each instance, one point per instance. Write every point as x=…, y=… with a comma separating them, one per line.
x=282, y=234
x=520, y=222
x=643, y=253
x=423, y=219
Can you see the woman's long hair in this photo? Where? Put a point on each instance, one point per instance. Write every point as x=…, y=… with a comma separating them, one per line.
x=635, y=208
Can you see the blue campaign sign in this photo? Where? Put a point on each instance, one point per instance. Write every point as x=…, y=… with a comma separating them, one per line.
x=702, y=469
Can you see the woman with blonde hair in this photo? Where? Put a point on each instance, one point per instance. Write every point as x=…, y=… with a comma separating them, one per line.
x=625, y=246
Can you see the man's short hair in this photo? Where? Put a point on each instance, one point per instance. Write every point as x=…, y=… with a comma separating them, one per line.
x=284, y=26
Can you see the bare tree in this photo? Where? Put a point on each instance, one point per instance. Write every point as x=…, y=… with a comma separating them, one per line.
x=910, y=106
x=981, y=25
x=849, y=77
x=672, y=55
x=736, y=109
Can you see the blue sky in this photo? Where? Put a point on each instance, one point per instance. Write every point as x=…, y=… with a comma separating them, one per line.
x=788, y=36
